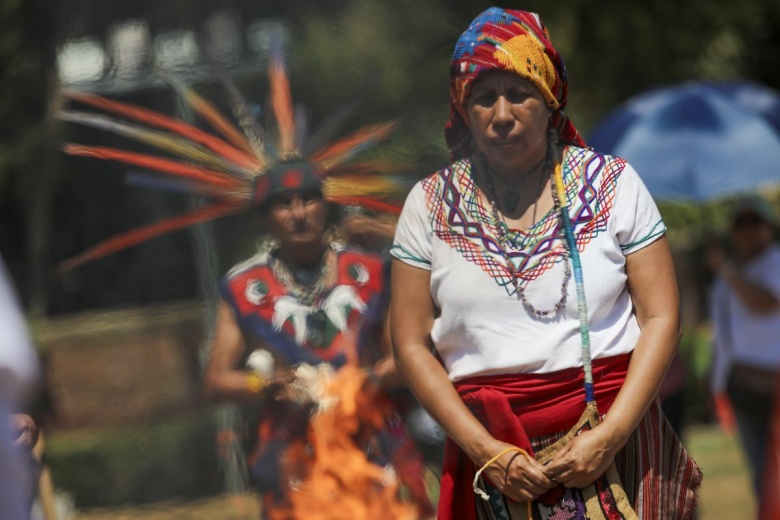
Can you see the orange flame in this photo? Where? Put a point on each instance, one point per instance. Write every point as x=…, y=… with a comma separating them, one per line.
x=340, y=482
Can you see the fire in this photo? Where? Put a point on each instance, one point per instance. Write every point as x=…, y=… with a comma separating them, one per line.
x=337, y=480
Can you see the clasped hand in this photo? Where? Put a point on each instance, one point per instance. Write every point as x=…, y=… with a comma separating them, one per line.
x=518, y=475
x=522, y=478
x=583, y=460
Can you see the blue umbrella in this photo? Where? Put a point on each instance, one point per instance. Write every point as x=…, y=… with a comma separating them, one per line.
x=698, y=141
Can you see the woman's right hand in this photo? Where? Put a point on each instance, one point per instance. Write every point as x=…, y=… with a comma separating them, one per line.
x=517, y=475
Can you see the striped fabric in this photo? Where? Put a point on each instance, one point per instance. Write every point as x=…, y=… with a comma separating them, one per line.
x=658, y=476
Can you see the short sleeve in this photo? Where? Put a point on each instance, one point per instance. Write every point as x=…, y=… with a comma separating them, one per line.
x=413, y=235
x=636, y=220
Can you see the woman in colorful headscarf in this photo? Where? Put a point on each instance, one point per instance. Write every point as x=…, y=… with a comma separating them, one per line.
x=531, y=277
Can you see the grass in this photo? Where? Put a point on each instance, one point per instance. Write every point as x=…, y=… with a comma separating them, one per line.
x=725, y=492
x=109, y=468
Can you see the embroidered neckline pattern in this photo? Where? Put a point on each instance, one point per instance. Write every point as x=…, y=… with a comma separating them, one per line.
x=462, y=219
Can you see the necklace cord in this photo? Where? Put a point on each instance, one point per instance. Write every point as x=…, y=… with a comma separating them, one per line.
x=306, y=293
x=574, y=255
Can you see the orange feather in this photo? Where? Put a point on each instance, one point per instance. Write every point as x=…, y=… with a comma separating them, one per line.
x=157, y=163
x=281, y=102
x=368, y=203
x=343, y=149
x=136, y=236
x=218, y=121
x=230, y=153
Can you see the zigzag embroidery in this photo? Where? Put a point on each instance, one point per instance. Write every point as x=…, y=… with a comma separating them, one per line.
x=459, y=218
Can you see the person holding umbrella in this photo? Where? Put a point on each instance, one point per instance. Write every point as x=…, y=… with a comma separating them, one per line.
x=532, y=293
x=745, y=308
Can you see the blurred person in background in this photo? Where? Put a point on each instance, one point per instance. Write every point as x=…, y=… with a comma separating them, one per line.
x=18, y=432
x=294, y=314
x=745, y=309
x=307, y=301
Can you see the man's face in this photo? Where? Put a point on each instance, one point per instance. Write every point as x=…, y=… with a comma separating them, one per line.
x=751, y=233
x=297, y=218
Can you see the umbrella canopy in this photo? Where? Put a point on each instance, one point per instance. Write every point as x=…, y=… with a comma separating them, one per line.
x=698, y=141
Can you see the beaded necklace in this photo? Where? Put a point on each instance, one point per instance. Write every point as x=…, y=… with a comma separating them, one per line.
x=304, y=292
x=558, y=191
x=501, y=231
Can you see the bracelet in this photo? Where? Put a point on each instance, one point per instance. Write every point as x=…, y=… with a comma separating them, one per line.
x=482, y=494
x=254, y=384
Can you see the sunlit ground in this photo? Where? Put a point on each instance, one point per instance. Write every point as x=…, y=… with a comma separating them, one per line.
x=725, y=493
x=238, y=507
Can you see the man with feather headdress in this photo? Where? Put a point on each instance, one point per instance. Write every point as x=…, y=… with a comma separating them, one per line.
x=291, y=317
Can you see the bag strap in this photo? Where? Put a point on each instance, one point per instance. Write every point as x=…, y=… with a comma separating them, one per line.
x=574, y=256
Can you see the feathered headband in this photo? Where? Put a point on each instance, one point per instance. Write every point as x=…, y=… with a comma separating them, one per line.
x=236, y=169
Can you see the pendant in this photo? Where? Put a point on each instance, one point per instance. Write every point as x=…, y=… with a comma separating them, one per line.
x=511, y=198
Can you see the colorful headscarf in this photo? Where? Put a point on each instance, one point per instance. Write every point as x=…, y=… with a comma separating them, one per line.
x=515, y=41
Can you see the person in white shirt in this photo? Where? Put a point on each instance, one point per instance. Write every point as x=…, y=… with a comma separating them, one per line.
x=745, y=310
x=517, y=265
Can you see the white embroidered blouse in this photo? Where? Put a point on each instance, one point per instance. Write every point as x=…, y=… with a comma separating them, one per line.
x=482, y=327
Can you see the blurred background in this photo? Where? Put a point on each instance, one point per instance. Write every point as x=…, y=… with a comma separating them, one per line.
x=122, y=338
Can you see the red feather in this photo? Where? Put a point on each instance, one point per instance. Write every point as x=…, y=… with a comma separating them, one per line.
x=136, y=236
x=230, y=153
x=156, y=163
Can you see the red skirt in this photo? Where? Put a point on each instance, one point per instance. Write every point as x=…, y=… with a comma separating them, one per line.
x=531, y=411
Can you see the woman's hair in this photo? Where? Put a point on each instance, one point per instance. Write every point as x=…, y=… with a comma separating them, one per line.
x=513, y=41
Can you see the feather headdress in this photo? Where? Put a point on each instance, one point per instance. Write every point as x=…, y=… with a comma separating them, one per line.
x=228, y=166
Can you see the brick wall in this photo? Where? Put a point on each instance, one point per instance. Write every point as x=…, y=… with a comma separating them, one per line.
x=122, y=368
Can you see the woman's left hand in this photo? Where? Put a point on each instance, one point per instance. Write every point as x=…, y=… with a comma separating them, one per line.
x=584, y=459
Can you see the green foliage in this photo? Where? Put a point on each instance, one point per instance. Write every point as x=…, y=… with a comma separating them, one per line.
x=390, y=44
x=26, y=53
x=696, y=352
x=175, y=458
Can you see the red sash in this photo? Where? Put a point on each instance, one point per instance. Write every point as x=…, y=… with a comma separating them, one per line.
x=517, y=407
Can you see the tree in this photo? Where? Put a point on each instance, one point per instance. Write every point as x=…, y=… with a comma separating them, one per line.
x=27, y=58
